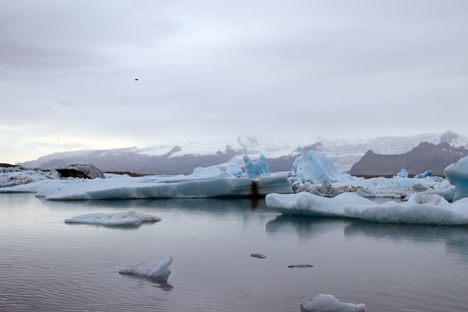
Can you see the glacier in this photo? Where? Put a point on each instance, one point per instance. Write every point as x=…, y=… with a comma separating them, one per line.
x=421, y=208
x=157, y=269
x=114, y=219
x=329, y=303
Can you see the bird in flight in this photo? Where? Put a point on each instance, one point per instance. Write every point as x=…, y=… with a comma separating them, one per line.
x=136, y=79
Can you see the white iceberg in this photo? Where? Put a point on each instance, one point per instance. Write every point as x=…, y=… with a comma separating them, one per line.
x=457, y=174
x=10, y=177
x=328, y=303
x=421, y=208
x=316, y=169
x=158, y=269
x=314, y=206
x=234, y=169
x=114, y=219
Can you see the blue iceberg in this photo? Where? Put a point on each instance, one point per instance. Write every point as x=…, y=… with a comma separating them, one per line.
x=316, y=169
x=255, y=170
x=457, y=174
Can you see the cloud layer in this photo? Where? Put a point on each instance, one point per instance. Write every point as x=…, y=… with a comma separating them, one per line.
x=208, y=69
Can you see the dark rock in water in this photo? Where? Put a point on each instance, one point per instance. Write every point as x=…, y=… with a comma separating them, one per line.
x=257, y=255
x=300, y=266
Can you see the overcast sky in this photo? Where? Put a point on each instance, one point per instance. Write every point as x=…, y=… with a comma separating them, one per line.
x=213, y=69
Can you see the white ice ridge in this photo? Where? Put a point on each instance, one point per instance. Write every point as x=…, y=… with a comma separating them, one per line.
x=421, y=208
x=112, y=219
x=158, y=269
x=328, y=303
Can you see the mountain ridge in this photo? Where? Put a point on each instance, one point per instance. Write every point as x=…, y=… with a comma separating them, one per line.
x=183, y=157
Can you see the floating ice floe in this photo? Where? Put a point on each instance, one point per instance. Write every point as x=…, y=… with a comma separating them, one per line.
x=457, y=174
x=316, y=169
x=421, y=208
x=157, y=269
x=114, y=219
x=328, y=303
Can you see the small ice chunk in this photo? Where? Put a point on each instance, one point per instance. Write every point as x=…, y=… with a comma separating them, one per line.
x=300, y=266
x=258, y=255
x=112, y=219
x=158, y=269
x=328, y=303
x=402, y=174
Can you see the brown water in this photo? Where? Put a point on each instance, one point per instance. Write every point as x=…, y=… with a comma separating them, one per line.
x=47, y=265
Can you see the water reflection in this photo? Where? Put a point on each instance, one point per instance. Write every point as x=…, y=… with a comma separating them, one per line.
x=156, y=282
x=304, y=225
x=454, y=237
x=213, y=205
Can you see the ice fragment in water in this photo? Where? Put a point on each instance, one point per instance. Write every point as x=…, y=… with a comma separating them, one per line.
x=158, y=269
x=328, y=303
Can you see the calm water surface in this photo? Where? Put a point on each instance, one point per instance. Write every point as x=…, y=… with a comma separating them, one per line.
x=47, y=265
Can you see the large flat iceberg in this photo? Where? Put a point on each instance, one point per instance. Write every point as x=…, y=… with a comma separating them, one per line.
x=421, y=208
x=114, y=219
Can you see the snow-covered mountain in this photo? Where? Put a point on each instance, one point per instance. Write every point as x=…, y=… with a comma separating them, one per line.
x=183, y=157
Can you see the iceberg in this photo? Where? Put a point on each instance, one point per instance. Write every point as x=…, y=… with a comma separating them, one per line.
x=307, y=204
x=234, y=169
x=88, y=170
x=114, y=219
x=457, y=174
x=421, y=208
x=328, y=303
x=255, y=170
x=423, y=175
x=133, y=188
x=316, y=169
x=10, y=177
x=157, y=269
x=402, y=174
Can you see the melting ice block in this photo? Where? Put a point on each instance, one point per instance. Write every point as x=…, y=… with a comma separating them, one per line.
x=457, y=174
x=328, y=303
x=112, y=219
x=316, y=169
x=158, y=269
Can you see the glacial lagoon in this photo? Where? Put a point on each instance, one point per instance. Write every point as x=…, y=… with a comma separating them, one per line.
x=48, y=265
